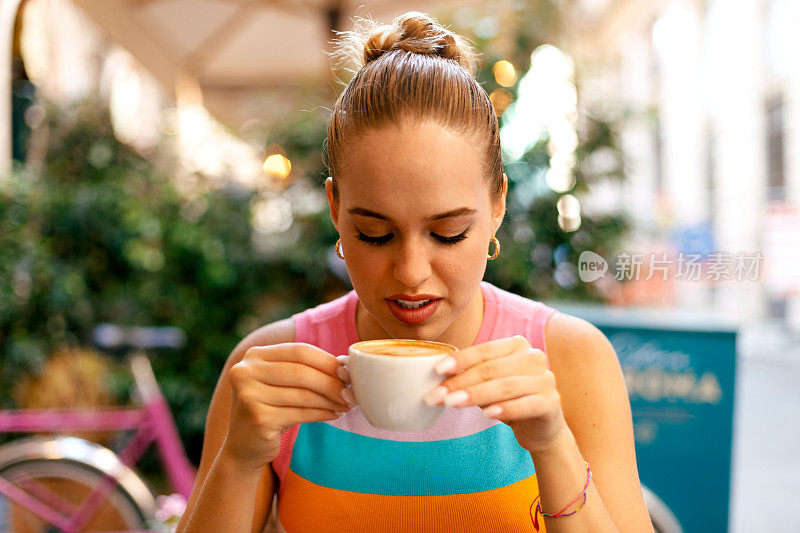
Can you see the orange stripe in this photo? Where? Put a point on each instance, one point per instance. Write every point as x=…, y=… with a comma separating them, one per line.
x=305, y=506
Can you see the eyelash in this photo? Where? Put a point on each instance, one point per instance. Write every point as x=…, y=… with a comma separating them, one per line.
x=379, y=241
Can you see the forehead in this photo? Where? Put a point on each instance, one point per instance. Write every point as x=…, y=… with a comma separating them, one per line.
x=411, y=167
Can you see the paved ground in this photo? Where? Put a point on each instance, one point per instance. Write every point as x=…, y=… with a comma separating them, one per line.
x=765, y=492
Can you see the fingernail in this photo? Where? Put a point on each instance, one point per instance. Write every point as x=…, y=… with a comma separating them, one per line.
x=445, y=365
x=348, y=396
x=343, y=374
x=436, y=395
x=457, y=397
x=493, y=410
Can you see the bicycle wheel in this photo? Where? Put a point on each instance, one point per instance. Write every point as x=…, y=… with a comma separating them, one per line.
x=72, y=481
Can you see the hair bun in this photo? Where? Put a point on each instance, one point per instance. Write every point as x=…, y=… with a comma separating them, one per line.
x=414, y=31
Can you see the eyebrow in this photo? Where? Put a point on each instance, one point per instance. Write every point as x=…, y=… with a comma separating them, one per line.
x=449, y=214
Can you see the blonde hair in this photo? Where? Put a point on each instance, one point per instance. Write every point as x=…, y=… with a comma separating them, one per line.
x=412, y=68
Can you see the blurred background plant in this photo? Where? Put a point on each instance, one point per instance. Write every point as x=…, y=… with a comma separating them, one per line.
x=101, y=235
x=95, y=230
x=70, y=378
x=553, y=153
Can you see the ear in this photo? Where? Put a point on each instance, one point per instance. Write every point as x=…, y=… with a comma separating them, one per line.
x=332, y=204
x=500, y=207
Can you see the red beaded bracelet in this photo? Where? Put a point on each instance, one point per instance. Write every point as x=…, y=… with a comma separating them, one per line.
x=560, y=514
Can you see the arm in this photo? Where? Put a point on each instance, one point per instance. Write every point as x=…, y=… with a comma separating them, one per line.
x=225, y=498
x=598, y=428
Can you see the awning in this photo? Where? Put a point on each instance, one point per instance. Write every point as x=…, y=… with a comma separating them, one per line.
x=234, y=47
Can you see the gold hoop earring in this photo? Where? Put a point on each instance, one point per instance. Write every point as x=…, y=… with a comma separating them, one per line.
x=339, y=248
x=496, y=249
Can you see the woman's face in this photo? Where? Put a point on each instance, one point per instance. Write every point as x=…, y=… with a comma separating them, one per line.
x=393, y=183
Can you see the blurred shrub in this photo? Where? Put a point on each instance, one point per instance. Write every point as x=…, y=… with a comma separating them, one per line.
x=71, y=378
x=538, y=258
x=99, y=234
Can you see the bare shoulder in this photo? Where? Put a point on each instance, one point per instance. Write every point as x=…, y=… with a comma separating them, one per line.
x=273, y=333
x=578, y=350
x=564, y=331
x=595, y=403
x=583, y=360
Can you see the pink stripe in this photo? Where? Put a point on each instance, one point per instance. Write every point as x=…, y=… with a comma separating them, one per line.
x=455, y=422
x=281, y=463
x=536, y=332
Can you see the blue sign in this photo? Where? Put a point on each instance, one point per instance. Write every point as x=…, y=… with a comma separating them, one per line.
x=680, y=375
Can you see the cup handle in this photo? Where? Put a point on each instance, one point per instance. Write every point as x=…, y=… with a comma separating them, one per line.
x=344, y=359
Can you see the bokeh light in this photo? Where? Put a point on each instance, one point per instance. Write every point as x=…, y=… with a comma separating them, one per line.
x=277, y=165
x=504, y=73
x=569, y=213
x=500, y=99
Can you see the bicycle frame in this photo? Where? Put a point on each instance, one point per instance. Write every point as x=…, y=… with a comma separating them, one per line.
x=152, y=421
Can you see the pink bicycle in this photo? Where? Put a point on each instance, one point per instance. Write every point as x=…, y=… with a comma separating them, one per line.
x=68, y=484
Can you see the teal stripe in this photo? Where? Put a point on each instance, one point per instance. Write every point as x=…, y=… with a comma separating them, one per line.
x=338, y=459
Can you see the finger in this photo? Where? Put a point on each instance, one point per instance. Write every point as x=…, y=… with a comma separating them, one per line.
x=298, y=352
x=503, y=389
x=499, y=390
x=531, y=406
x=529, y=361
x=290, y=416
x=461, y=359
x=289, y=374
x=343, y=372
x=300, y=397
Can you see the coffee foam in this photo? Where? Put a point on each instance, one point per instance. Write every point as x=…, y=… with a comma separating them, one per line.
x=404, y=348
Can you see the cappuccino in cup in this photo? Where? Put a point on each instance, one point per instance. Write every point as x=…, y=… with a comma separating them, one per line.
x=402, y=347
x=390, y=378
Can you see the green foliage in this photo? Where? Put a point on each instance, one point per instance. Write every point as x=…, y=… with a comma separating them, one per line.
x=101, y=235
x=539, y=258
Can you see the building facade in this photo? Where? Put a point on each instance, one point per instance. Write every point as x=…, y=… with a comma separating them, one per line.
x=710, y=95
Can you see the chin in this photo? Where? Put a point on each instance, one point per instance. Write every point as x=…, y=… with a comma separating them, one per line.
x=428, y=331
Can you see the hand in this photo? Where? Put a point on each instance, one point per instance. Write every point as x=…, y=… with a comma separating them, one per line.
x=510, y=375
x=276, y=387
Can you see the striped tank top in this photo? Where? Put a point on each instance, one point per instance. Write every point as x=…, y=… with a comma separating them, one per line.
x=467, y=473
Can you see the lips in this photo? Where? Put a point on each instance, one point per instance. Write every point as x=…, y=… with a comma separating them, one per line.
x=414, y=316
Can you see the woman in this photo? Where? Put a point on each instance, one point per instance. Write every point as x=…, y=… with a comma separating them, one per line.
x=417, y=193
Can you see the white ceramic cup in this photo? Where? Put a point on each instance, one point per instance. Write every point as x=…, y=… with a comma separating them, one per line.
x=390, y=378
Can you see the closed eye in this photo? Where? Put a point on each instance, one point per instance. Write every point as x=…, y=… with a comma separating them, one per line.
x=379, y=241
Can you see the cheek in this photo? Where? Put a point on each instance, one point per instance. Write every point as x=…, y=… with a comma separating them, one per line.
x=364, y=258
x=465, y=260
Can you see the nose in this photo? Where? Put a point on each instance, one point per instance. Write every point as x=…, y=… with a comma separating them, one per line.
x=411, y=262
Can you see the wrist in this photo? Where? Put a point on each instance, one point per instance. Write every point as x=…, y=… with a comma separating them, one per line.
x=230, y=461
x=563, y=441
